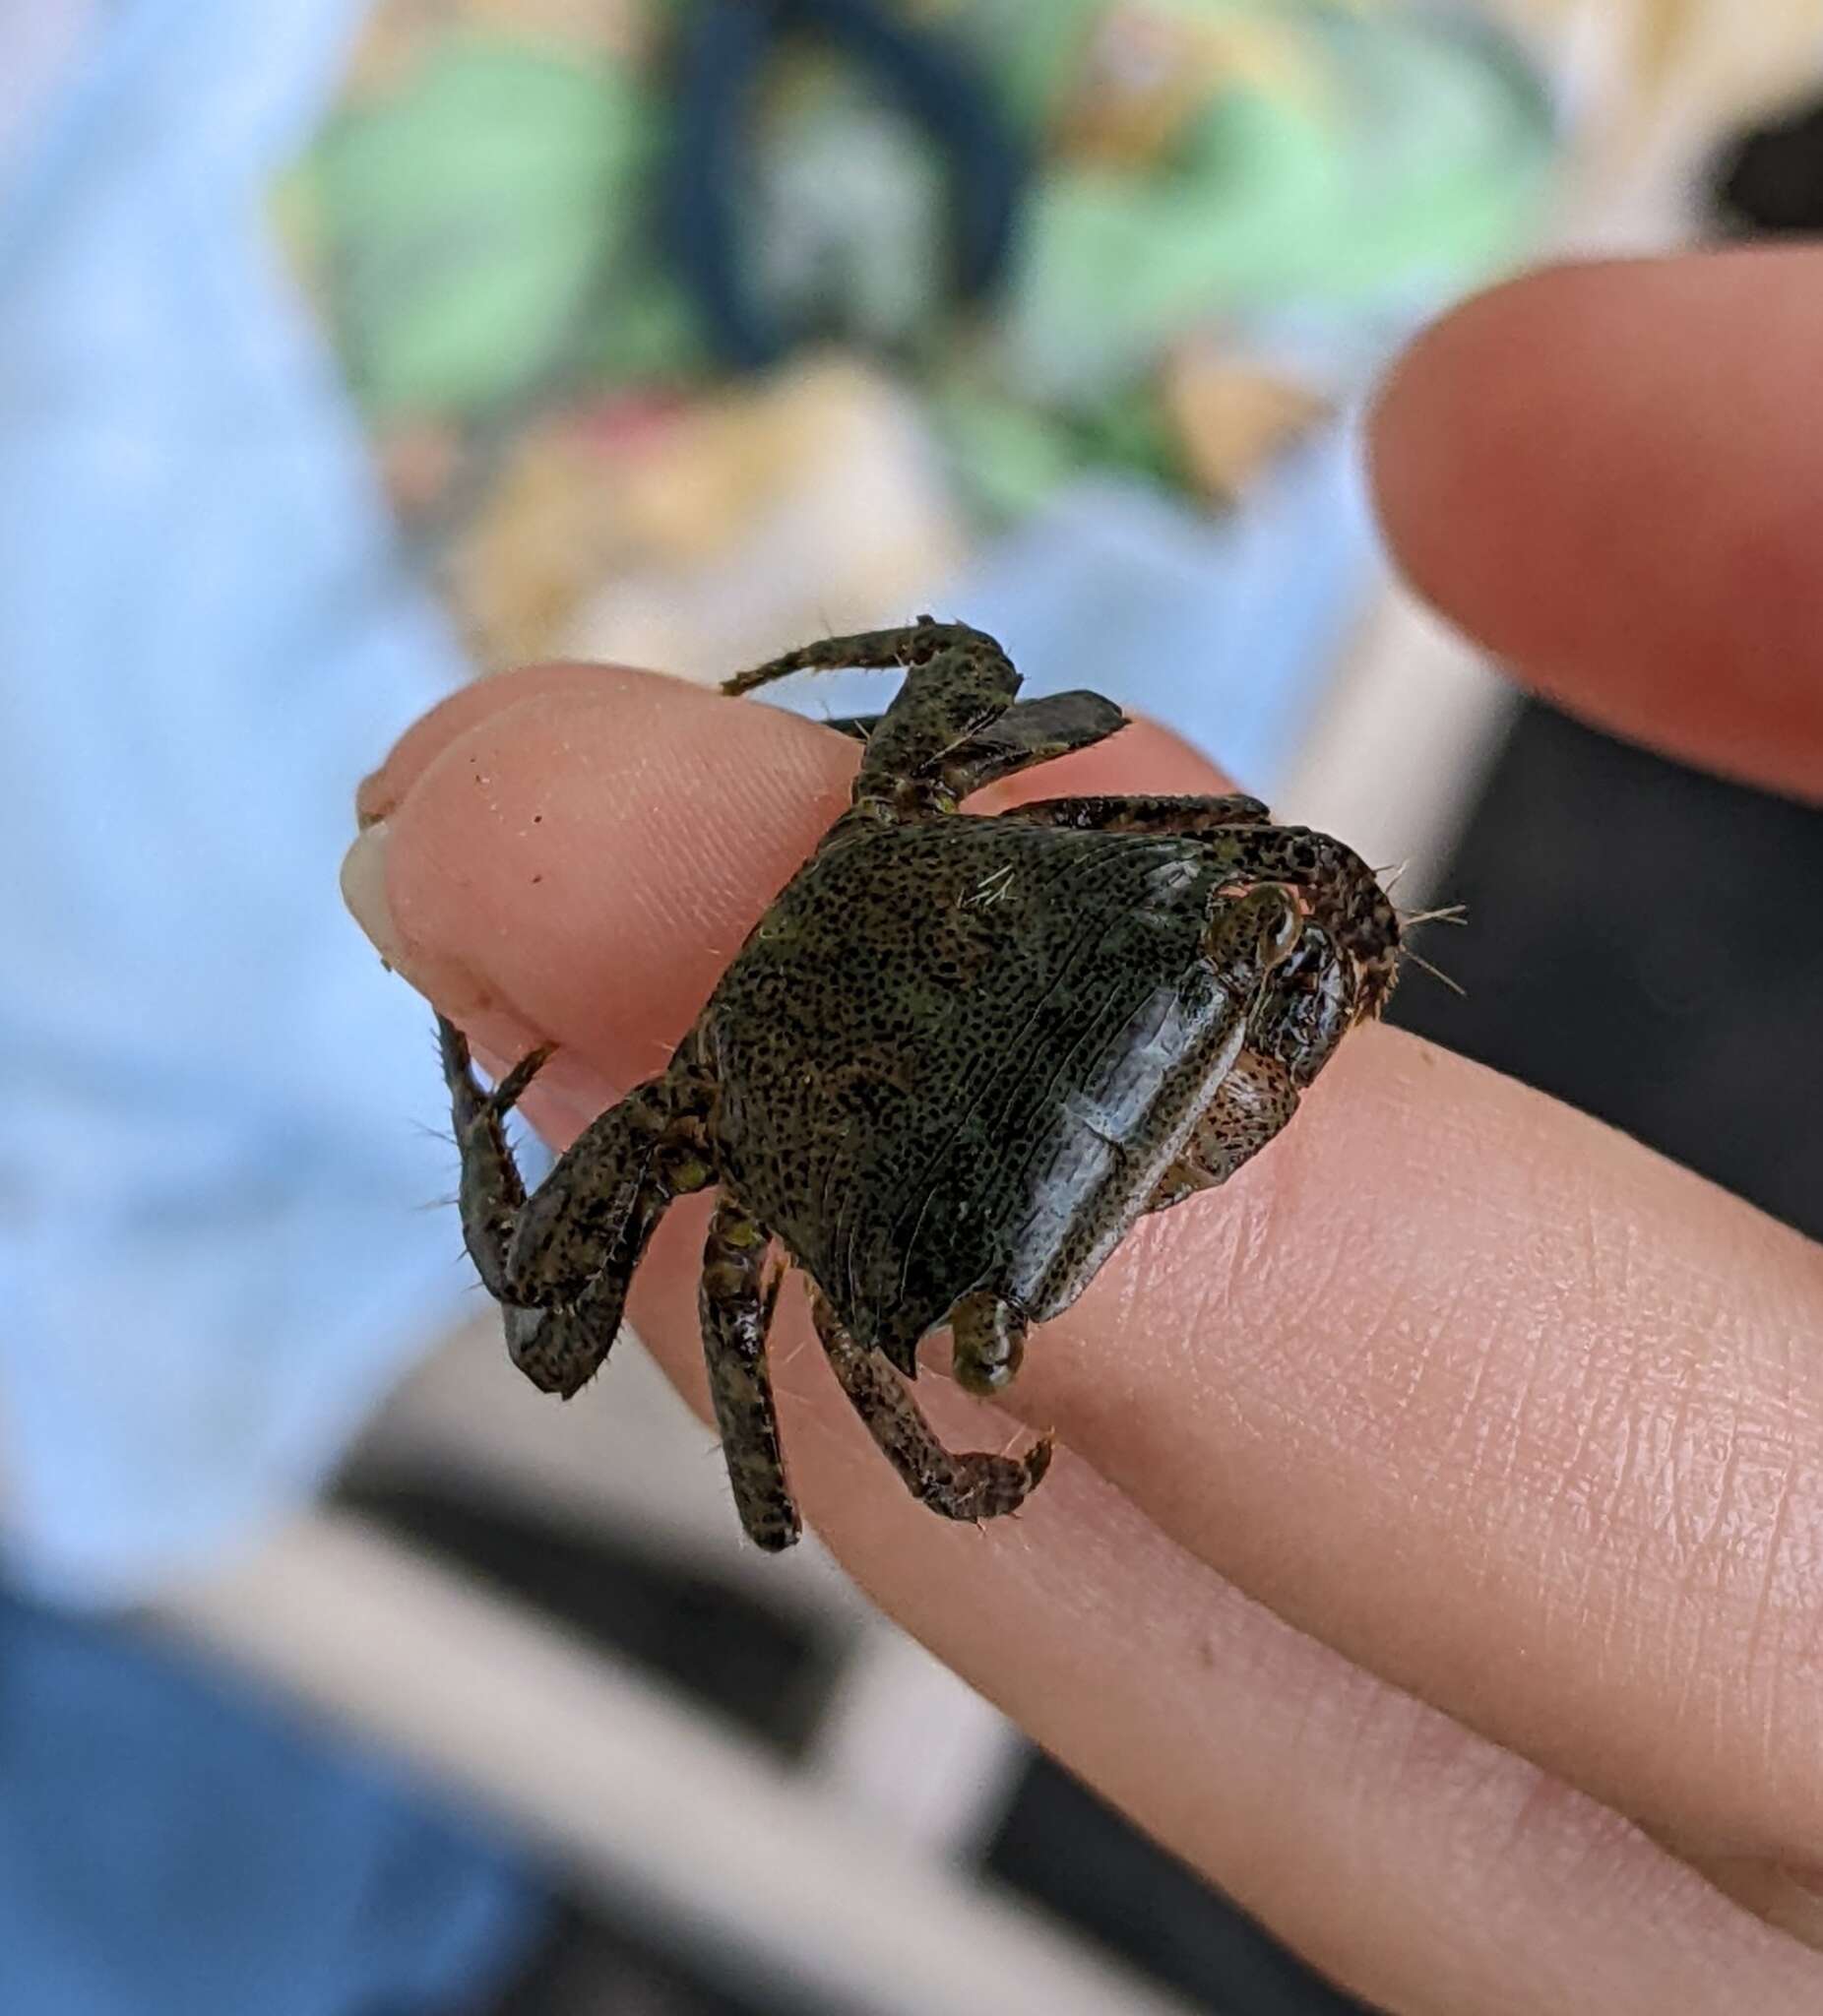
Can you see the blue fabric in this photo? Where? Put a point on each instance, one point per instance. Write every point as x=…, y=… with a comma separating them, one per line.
x=220, y=1115
x=218, y=1108
x=172, y=1846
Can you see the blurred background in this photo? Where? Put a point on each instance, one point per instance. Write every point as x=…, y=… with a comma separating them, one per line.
x=348, y=351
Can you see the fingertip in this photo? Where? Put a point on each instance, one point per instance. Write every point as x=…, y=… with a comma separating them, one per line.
x=1606, y=474
x=589, y=856
x=1459, y=427
x=379, y=794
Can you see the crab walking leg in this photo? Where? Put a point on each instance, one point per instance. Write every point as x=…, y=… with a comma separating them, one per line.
x=585, y=1229
x=971, y=1487
x=1029, y=732
x=901, y=648
x=560, y=1344
x=492, y=1191
x=958, y=683
x=1344, y=896
x=737, y=1306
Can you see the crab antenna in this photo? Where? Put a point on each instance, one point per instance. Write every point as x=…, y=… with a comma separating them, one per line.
x=1436, y=973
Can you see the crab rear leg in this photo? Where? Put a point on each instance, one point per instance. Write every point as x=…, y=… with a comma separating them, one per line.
x=904, y=648
x=1030, y=731
x=560, y=1261
x=970, y=1487
x=737, y=1306
x=492, y=1194
x=958, y=683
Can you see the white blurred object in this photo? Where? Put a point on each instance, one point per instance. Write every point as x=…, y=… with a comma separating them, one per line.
x=1649, y=87
x=764, y=1874
x=844, y=521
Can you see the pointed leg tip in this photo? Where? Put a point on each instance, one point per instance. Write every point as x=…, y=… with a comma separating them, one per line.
x=451, y=1047
x=540, y=1346
x=514, y=1085
x=777, y=1539
x=1036, y=1460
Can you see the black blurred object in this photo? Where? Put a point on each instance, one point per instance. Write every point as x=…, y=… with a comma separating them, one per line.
x=1059, y=1844
x=1066, y=1850
x=1768, y=181
x=587, y=1968
x=726, y=47
x=1643, y=943
x=732, y=1656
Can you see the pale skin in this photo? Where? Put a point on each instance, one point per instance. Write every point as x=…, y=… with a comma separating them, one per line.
x=1433, y=1556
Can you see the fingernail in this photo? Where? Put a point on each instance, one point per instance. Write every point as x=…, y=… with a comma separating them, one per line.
x=372, y=800
x=436, y=974
x=363, y=890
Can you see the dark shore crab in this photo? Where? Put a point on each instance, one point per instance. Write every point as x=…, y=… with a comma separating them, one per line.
x=955, y=1060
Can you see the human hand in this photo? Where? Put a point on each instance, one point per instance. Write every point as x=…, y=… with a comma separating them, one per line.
x=1447, y=1487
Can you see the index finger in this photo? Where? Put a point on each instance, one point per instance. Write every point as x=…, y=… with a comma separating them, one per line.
x=1612, y=475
